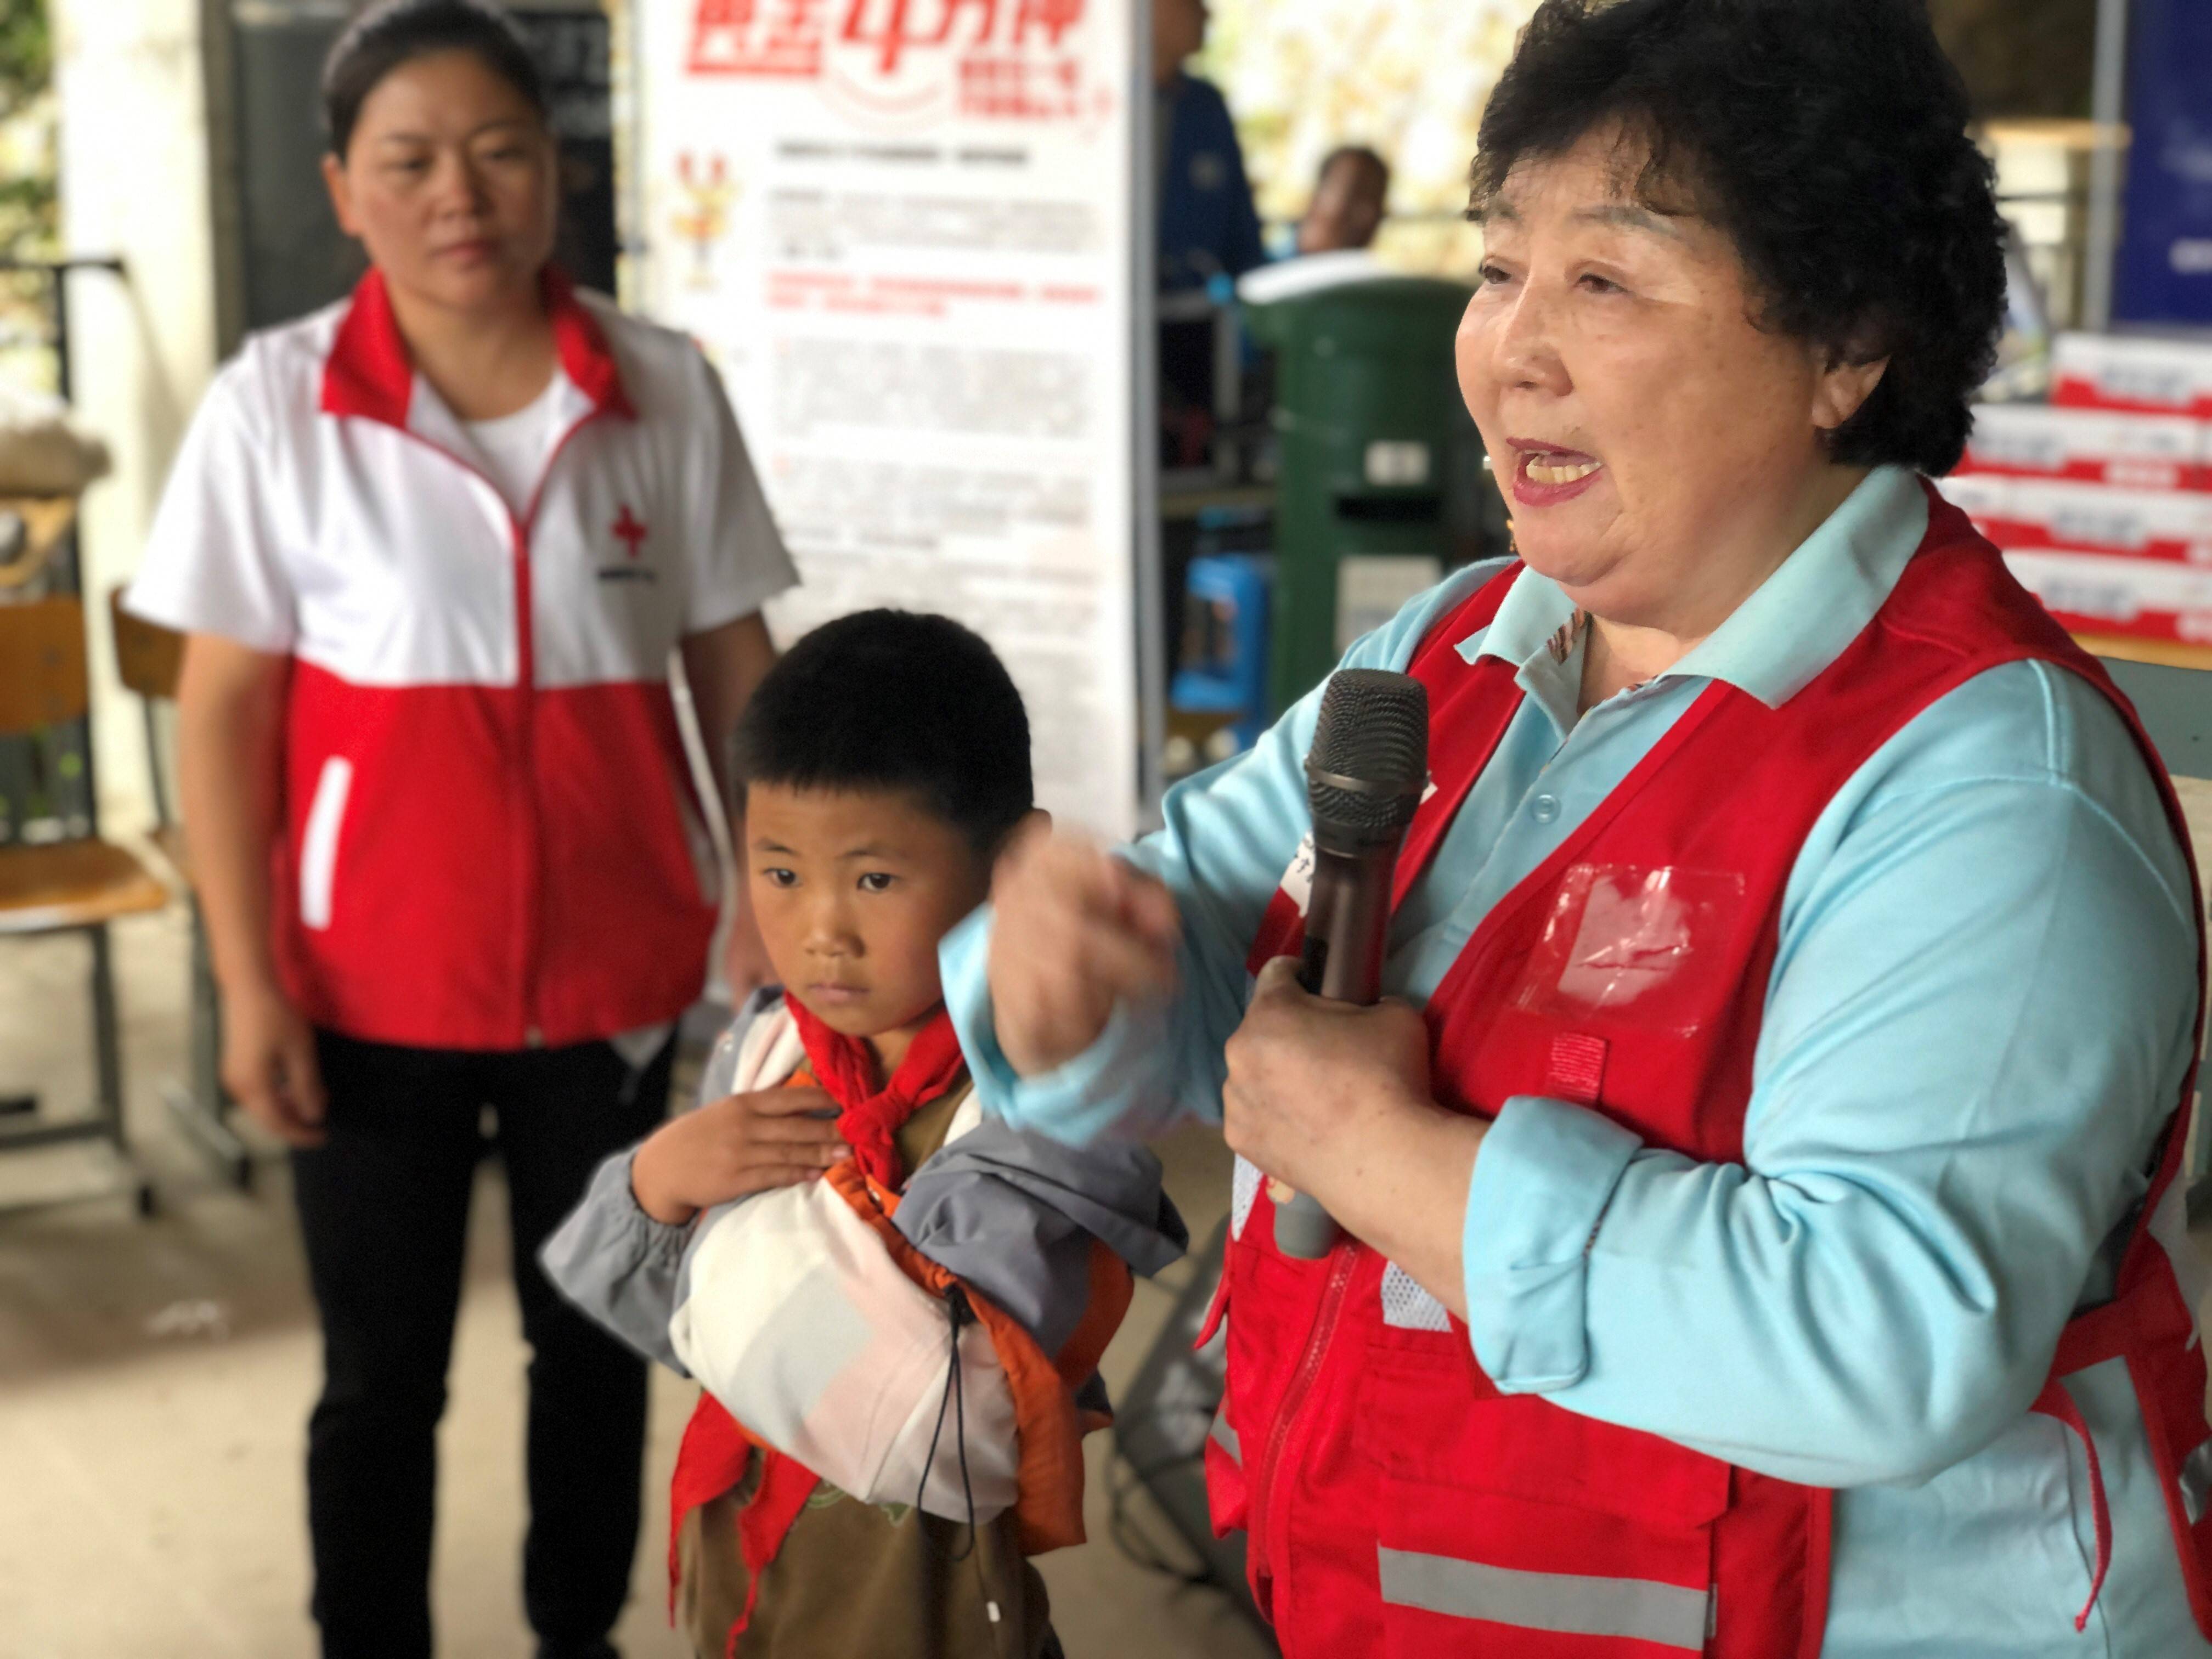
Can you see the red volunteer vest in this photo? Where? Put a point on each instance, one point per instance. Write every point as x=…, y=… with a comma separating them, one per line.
x=1397, y=1502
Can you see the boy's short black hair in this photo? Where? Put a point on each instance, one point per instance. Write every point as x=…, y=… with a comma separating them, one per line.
x=1829, y=139
x=397, y=32
x=895, y=700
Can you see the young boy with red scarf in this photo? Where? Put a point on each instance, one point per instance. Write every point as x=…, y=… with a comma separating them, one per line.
x=896, y=1305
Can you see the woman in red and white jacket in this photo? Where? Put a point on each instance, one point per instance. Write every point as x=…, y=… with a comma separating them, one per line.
x=435, y=547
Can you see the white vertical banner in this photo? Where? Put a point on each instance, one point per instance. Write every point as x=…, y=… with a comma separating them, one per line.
x=904, y=231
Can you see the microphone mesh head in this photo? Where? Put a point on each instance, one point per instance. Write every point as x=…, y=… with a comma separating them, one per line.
x=1374, y=733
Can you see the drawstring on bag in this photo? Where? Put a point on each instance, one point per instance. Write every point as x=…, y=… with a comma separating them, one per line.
x=960, y=1314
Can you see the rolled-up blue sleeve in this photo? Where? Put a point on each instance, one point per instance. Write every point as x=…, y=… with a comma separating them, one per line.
x=1120, y=1086
x=1546, y=1173
x=1978, y=1019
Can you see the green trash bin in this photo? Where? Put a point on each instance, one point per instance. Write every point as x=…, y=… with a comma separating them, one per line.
x=1379, y=482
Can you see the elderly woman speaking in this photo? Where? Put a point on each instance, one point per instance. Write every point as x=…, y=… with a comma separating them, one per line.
x=1763, y=1238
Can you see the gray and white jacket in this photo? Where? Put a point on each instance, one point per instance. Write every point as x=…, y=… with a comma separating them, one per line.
x=788, y=1309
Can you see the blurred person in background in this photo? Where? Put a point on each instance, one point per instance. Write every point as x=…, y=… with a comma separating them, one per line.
x=1208, y=226
x=1352, y=195
x=1763, y=1234
x=434, y=549
x=1332, y=243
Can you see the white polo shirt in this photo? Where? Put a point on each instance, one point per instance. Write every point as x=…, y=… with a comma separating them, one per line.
x=491, y=839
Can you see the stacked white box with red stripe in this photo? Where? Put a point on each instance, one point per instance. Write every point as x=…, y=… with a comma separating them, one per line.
x=2102, y=498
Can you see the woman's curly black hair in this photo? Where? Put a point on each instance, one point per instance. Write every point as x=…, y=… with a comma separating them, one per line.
x=1828, y=139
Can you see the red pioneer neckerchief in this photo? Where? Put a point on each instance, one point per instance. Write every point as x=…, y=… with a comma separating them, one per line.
x=874, y=1112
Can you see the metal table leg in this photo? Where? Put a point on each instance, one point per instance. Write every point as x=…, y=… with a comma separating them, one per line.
x=106, y=1124
x=107, y=1047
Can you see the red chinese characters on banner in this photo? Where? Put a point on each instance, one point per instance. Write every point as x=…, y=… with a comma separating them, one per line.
x=1004, y=58
x=757, y=37
x=1029, y=78
x=890, y=28
x=1052, y=18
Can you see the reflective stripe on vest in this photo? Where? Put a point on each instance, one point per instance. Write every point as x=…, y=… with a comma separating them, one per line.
x=1636, y=1609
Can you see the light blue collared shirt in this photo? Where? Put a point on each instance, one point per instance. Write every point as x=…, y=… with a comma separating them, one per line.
x=1978, y=1017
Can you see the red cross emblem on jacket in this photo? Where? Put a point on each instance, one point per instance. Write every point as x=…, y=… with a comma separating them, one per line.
x=630, y=531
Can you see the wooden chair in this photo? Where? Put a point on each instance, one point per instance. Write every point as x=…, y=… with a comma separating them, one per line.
x=42, y=522
x=76, y=885
x=149, y=657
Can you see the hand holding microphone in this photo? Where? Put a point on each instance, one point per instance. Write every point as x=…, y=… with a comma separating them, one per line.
x=1365, y=775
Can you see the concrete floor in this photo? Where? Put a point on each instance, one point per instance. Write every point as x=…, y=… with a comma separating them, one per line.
x=155, y=1378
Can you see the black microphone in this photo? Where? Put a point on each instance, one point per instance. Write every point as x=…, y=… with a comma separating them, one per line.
x=1364, y=776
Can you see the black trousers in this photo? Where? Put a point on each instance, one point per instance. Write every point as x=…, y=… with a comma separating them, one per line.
x=384, y=1211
